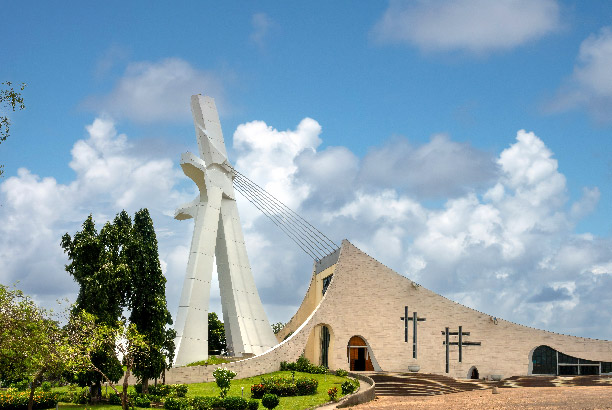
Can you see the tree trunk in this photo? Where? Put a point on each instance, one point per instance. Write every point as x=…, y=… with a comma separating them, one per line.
x=124, y=401
x=32, y=388
x=145, y=385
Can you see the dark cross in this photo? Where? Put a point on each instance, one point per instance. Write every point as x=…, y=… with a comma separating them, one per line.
x=459, y=343
x=414, y=320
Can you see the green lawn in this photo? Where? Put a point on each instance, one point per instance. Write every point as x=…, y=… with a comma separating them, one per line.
x=326, y=382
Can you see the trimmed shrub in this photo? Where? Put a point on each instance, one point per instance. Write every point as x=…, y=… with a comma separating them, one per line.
x=348, y=387
x=160, y=390
x=234, y=403
x=173, y=403
x=179, y=390
x=114, y=399
x=333, y=393
x=253, y=404
x=306, y=386
x=270, y=401
x=341, y=373
x=13, y=400
x=303, y=365
x=258, y=390
x=206, y=403
x=142, y=401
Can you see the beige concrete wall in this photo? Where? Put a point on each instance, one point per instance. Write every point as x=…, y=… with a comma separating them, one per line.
x=367, y=299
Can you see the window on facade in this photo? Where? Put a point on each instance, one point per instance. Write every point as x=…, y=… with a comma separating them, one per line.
x=606, y=367
x=563, y=358
x=544, y=360
x=326, y=282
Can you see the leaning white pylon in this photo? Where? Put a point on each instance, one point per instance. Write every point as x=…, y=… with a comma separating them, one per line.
x=217, y=232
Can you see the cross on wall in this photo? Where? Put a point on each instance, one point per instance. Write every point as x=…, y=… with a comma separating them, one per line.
x=460, y=343
x=415, y=319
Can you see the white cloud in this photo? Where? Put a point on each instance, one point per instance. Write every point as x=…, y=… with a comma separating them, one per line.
x=150, y=92
x=110, y=175
x=590, y=85
x=475, y=26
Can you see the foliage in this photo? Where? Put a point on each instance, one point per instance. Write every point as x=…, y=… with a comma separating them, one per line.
x=172, y=403
x=302, y=364
x=341, y=373
x=146, y=296
x=284, y=387
x=223, y=377
x=216, y=335
x=252, y=404
x=116, y=269
x=142, y=401
x=211, y=359
x=9, y=98
x=270, y=401
x=277, y=327
x=333, y=393
x=32, y=345
x=234, y=403
x=348, y=387
x=14, y=400
x=45, y=386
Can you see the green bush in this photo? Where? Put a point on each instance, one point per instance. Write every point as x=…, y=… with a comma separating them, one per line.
x=258, y=390
x=114, y=399
x=180, y=403
x=179, y=390
x=22, y=385
x=306, y=386
x=223, y=378
x=206, y=403
x=142, y=401
x=348, y=387
x=13, y=400
x=253, y=404
x=235, y=403
x=303, y=365
x=269, y=401
x=81, y=396
x=160, y=390
x=341, y=373
x=45, y=386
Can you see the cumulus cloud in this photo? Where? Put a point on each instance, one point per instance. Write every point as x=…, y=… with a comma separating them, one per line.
x=502, y=242
x=590, y=85
x=150, y=92
x=110, y=175
x=440, y=168
x=475, y=26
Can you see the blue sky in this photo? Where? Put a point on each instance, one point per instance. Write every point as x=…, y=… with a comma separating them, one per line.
x=391, y=124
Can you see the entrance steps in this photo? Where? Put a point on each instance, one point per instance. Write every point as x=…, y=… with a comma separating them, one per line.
x=422, y=384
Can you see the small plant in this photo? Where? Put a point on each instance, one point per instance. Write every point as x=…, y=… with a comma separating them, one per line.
x=270, y=401
x=45, y=386
x=223, y=377
x=234, y=403
x=333, y=393
x=142, y=401
x=341, y=373
x=348, y=387
x=252, y=404
x=114, y=399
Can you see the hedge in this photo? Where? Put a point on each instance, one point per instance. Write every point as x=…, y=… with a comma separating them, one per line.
x=14, y=400
x=284, y=387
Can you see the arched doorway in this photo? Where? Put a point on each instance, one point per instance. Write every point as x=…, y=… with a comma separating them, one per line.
x=473, y=373
x=358, y=355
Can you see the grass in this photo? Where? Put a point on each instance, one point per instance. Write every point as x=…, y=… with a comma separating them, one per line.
x=326, y=382
x=209, y=361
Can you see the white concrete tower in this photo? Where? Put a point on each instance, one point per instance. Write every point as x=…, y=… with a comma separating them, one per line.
x=217, y=232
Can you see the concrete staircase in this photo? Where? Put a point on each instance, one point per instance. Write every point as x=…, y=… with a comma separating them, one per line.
x=421, y=384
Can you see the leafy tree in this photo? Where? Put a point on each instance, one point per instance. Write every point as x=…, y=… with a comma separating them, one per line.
x=216, y=335
x=277, y=327
x=99, y=265
x=118, y=268
x=147, y=301
x=32, y=345
x=88, y=338
x=9, y=98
